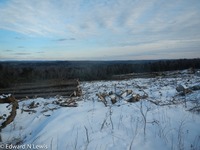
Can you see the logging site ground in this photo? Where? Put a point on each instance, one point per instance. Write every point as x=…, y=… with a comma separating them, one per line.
x=142, y=111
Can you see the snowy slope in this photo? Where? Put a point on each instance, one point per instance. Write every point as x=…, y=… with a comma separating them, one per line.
x=161, y=121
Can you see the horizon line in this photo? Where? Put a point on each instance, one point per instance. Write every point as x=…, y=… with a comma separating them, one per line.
x=96, y=60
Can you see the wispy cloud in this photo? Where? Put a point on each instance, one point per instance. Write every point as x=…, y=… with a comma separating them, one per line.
x=19, y=38
x=134, y=25
x=20, y=47
x=8, y=50
x=49, y=18
x=22, y=53
x=41, y=52
x=65, y=39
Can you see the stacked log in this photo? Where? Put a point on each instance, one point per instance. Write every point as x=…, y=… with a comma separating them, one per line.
x=44, y=89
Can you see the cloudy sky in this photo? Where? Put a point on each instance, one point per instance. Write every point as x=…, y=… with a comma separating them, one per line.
x=99, y=29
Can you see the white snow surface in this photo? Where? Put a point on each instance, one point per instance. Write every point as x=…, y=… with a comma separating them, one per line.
x=119, y=126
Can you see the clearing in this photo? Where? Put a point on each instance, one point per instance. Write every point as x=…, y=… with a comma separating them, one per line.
x=143, y=113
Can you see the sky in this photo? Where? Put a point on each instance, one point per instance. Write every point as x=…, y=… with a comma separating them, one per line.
x=99, y=29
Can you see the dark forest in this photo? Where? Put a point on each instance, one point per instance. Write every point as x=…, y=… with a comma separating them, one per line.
x=12, y=72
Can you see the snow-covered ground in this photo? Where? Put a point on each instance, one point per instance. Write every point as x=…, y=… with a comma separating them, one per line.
x=162, y=120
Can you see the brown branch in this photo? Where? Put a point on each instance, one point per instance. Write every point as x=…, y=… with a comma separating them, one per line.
x=102, y=99
x=13, y=112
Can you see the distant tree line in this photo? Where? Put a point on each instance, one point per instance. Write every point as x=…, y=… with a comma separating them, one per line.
x=22, y=71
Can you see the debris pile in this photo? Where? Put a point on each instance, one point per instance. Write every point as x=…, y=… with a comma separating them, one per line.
x=66, y=102
x=183, y=90
x=114, y=97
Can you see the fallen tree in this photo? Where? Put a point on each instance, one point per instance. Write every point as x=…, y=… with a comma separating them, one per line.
x=11, y=100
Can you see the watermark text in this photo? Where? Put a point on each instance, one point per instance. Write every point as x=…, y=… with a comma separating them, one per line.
x=23, y=146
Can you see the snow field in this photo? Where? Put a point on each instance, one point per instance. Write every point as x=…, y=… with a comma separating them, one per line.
x=123, y=125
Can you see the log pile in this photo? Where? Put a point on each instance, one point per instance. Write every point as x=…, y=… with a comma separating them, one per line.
x=135, y=75
x=44, y=89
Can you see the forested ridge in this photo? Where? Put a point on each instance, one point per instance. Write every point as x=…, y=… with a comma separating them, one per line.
x=12, y=72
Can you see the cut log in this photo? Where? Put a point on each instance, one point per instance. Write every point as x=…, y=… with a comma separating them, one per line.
x=113, y=99
x=43, y=85
x=9, y=99
x=180, y=88
x=134, y=98
x=102, y=99
x=195, y=87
